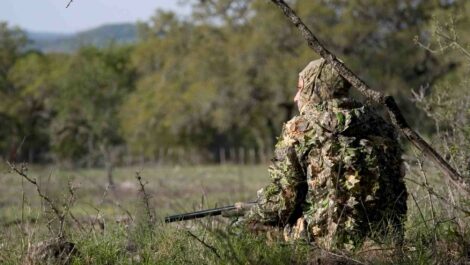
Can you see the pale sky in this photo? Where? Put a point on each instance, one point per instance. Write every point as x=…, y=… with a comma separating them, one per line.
x=52, y=16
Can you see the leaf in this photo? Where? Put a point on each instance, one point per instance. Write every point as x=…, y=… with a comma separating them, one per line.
x=341, y=119
x=351, y=181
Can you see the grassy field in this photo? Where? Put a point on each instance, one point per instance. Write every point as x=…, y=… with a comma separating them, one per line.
x=114, y=226
x=172, y=189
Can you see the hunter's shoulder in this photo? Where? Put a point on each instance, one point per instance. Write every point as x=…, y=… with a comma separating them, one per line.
x=361, y=119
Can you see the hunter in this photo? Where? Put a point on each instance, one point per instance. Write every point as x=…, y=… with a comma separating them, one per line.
x=337, y=172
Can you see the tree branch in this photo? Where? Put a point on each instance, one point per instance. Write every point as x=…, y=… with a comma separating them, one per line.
x=60, y=214
x=213, y=249
x=396, y=116
x=145, y=199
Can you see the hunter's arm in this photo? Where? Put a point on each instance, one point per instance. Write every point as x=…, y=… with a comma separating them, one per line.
x=278, y=201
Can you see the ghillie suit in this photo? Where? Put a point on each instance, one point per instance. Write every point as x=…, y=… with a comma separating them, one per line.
x=337, y=173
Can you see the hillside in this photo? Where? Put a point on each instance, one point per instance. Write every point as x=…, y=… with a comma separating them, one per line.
x=100, y=36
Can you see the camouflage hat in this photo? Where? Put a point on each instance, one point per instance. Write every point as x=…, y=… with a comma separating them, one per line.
x=318, y=81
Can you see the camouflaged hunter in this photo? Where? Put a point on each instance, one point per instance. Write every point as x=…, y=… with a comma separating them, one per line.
x=337, y=173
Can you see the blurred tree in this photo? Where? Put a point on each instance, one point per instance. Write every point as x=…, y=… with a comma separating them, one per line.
x=190, y=91
x=24, y=79
x=32, y=77
x=87, y=102
x=227, y=77
x=12, y=41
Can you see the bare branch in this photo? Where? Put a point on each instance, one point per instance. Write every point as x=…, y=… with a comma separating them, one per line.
x=145, y=198
x=213, y=249
x=59, y=213
x=440, y=197
x=22, y=172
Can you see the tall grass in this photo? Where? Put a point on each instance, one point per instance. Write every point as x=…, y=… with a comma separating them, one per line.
x=112, y=226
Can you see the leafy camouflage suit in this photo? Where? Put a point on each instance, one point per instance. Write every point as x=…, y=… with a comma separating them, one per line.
x=337, y=170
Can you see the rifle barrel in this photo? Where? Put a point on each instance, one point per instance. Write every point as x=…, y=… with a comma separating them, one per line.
x=198, y=214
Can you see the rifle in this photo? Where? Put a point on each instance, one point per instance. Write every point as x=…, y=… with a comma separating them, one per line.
x=237, y=209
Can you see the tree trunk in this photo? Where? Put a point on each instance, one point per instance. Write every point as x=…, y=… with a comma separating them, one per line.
x=109, y=164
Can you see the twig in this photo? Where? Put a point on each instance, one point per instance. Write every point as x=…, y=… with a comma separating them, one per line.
x=454, y=43
x=440, y=197
x=22, y=173
x=79, y=224
x=23, y=201
x=124, y=210
x=98, y=209
x=213, y=249
x=396, y=116
x=59, y=212
x=145, y=198
x=419, y=210
x=343, y=256
x=68, y=206
x=417, y=224
x=431, y=204
x=70, y=2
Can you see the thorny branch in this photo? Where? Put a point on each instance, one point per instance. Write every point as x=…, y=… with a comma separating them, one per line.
x=67, y=206
x=394, y=112
x=22, y=172
x=60, y=213
x=146, y=198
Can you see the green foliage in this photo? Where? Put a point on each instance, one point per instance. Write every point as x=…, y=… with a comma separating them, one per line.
x=223, y=77
x=107, y=250
x=174, y=246
x=88, y=99
x=27, y=107
x=235, y=75
x=12, y=40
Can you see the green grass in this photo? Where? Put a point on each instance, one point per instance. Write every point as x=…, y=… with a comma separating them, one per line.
x=435, y=235
x=172, y=189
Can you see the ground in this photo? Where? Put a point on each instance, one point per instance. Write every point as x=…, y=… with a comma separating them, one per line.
x=113, y=226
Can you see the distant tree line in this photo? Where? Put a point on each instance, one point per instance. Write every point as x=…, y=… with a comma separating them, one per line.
x=224, y=77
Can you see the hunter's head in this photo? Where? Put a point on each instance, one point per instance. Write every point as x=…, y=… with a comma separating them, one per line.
x=318, y=82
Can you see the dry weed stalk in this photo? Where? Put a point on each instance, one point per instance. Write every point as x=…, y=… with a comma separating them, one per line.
x=211, y=248
x=146, y=200
x=440, y=197
x=59, y=213
x=98, y=219
x=55, y=249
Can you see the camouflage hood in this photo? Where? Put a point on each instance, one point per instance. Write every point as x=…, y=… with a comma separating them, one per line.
x=318, y=82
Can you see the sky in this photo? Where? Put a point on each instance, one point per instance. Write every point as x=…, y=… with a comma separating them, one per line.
x=53, y=16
